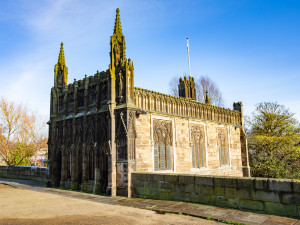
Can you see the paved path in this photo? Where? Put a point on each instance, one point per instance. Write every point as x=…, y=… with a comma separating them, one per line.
x=159, y=206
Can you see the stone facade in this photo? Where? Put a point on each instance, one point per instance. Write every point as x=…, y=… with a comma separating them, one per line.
x=102, y=129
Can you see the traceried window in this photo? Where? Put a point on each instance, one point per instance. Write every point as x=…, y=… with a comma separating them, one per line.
x=223, y=147
x=162, y=133
x=198, y=146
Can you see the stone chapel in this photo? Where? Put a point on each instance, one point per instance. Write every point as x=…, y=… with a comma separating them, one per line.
x=102, y=128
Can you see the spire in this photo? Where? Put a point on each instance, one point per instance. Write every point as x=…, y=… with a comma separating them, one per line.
x=118, y=28
x=207, y=100
x=60, y=69
x=61, y=57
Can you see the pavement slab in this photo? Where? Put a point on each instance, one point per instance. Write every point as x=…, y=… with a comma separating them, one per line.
x=162, y=206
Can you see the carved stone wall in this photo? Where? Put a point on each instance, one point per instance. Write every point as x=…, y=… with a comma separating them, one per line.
x=182, y=145
x=162, y=103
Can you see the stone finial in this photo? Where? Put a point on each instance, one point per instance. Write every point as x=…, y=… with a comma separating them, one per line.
x=118, y=27
x=207, y=100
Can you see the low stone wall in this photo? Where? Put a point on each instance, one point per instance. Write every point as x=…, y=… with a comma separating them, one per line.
x=273, y=196
x=25, y=172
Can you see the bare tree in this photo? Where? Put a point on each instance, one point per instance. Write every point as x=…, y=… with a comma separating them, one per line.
x=173, y=86
x=22, y=133
x=204, y=84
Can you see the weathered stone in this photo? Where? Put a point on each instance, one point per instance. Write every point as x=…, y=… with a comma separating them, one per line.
x=225, y=182
x=231, y=193
x=251, y=205
x=171, y=178
x=228, y=202
x=245, y=193
x=197, y=198
x=296, y=186
x=290, y=199
x=203, y=189
x=219, y=191
x=280, y=209
x=261, y=184
x=266, y=196
x=190, y=188
x=139, y=176
x=187, y=179
x=245, y=182
x=211, y=200
x=204, y=180
x=280, y=185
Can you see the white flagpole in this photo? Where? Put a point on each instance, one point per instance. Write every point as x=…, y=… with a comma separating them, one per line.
x=188, y=51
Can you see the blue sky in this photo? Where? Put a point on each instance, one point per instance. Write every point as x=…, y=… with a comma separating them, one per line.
x=249, y=48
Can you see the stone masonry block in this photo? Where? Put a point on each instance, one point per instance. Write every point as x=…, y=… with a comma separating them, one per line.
x=178, y=196
x=196, y=198
x=171, y=178
x=266, y=196
x=261, y=184
x=219, y=191
x=225, y=182
x=187, y=179
x=179, y=188
x=245, y=182
x=231, y=192
x=211, y=200
x=251, y=205
x=245, y=193
x=288, y=198
x=203, y=189
x=296, y=186
x=166, y=186
x=155, y=177
x=189, y=188
x=137, y=183
x=159, y=177
x=228, y=202
x=280, y=185
x=209, y=181
x=139, y=176
x=280, y=209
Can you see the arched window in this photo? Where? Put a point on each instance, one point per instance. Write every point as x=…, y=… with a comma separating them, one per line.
x=198, y=146
x=223, y=147
x=162, y=132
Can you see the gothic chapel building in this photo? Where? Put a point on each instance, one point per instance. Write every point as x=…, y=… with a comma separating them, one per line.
x=102, y=128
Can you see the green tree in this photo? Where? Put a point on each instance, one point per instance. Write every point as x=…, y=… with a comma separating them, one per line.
x=274, y=142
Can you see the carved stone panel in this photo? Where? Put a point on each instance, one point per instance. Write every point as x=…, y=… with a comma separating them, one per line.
x=162, y=135
x=223, y=147
x=198, y=146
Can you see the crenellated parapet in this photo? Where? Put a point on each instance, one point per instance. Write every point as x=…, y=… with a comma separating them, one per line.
x=162, y=103
x=84, y=95
x=187, y=88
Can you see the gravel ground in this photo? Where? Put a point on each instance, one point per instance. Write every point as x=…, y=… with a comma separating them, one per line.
x=18, y=206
